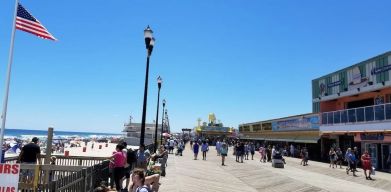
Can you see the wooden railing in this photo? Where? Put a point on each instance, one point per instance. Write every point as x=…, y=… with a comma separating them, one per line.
x=70, y=174
x=68, y=161
x=48, y=178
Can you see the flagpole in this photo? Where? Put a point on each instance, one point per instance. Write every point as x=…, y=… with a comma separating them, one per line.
x=7, y=82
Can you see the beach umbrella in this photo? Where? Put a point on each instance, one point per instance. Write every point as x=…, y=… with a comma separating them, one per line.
x=166, y=135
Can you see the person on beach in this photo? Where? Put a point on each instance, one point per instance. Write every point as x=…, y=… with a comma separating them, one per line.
x=196, y=148
x=119, y=161
x=204, y=149
x=366, y=165
x=223, y=152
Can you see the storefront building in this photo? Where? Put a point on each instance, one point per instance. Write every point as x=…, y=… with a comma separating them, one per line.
x=299, y=130
x=355, y=108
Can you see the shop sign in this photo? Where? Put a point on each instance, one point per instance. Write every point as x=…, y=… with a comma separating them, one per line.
x=303, y=123
x=372, y=136
x=382, y=69
x=219, y=129
x=9, y=177
x=333, y=84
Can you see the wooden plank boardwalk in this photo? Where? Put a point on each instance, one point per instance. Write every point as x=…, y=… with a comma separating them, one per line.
x=186, y=174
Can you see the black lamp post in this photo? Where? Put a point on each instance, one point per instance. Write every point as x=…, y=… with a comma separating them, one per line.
x=161, y=133
x=167, y=123
x=149, y=43
x=159, y=85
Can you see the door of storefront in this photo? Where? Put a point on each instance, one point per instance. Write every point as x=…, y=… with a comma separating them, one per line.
x=386, y=152
x=372, y=150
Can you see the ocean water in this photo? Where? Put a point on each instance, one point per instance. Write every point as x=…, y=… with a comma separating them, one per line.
x=26, y=133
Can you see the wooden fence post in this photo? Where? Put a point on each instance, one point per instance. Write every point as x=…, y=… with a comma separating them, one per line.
x=48, y=153
x=85, y=182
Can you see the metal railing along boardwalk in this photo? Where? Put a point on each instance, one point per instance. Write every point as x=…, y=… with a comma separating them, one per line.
x=372, y=113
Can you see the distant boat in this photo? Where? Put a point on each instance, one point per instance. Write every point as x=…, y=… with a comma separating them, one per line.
x=132, y=132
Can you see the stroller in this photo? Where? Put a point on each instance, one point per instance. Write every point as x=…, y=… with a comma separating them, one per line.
x=277, y=160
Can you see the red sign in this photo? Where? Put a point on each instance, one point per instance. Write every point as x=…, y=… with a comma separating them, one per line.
x=9, y=177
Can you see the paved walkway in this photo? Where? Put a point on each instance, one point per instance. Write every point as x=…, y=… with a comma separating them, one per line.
x=186, y=174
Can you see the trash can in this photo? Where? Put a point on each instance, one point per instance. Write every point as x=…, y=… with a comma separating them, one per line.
x=84, y=149
x=66, y=153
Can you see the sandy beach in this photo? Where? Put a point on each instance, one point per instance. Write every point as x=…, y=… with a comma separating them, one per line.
x=95, y=151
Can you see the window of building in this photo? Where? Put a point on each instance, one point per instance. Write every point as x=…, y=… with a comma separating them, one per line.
x=267, y=126
x=257, y=127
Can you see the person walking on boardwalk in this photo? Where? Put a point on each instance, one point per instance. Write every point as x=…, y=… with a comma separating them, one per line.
x=366, y=165
x=252, y=150
x=218, y=147
x=351, y=159
x=246, y=151
x=224, y=152
x=262, y=153
x=241, y=151
x=196, y=148
x=357, y=155
x=332, y=157
x=292, y=150
x=339, y=157
x=204, y=149
x=237, y=151
x=269, y=153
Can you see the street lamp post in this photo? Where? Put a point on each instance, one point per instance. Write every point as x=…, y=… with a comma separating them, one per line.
x=149, y=43
x=159, y=85
x=161, y=133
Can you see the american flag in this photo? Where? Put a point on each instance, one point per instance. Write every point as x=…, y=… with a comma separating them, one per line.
x=26, y=22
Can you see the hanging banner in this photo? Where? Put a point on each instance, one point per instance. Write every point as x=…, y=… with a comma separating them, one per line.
x=9, y=177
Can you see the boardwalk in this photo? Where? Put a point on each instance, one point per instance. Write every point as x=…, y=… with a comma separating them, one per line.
x=186, y=174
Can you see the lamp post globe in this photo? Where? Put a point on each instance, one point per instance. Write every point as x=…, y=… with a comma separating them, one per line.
x=149, y=43
x=159, y=84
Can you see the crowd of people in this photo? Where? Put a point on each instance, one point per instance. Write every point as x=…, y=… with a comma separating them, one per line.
x=245, y=150
x=352, y=158
x=141, y=167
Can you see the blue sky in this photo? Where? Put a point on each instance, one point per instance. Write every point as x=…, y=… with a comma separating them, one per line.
x=243, y=60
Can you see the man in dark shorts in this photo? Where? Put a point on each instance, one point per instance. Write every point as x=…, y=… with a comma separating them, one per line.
x=30, y=154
